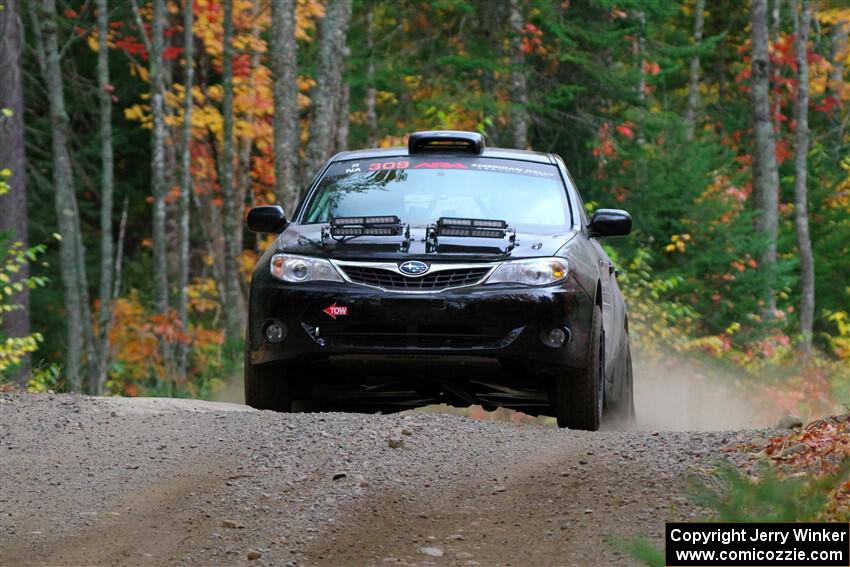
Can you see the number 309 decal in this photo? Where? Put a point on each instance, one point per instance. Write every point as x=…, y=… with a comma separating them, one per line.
x=378, y=166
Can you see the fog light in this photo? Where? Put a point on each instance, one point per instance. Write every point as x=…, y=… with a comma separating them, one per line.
x=555, y=338
x=274, y=332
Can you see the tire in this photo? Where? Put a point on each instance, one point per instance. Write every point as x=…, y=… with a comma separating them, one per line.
x=267, y=386
x=623, y=408
x=579, y=396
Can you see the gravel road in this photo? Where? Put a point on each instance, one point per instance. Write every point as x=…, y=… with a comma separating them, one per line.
x=107, y=481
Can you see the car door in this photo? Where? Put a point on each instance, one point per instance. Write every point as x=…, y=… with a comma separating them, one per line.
x=612, y=307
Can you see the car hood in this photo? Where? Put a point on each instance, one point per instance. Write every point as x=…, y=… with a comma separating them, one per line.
x=307, y=240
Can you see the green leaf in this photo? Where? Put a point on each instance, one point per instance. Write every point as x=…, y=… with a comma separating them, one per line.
x=7, y=112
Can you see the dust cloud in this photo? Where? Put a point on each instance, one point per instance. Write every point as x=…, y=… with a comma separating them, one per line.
x=231, y=391
x=680, y=395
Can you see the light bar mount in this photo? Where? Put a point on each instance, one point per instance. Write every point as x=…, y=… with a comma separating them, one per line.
x=469, y=228
x=341, y=228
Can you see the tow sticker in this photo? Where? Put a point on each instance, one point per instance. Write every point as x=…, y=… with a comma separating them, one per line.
x=336, y=310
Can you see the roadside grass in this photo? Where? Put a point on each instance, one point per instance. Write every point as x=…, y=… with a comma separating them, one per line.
x=770, y=496
x=803, y=476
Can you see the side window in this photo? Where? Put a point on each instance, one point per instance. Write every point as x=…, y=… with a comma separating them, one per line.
x=582, y=211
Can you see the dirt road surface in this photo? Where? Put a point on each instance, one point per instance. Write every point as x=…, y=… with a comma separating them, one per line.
x=106, y=481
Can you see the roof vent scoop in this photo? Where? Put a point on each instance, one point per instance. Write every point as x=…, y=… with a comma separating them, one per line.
x=445, y=141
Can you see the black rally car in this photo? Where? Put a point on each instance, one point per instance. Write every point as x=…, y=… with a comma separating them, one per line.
x=441, y=272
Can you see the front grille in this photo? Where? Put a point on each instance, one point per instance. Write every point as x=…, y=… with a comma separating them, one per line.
x=425, y=337
x=435, y=281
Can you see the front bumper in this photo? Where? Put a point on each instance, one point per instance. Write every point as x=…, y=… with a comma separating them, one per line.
x=493, y=322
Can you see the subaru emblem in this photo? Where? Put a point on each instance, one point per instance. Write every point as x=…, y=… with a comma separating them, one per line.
x=413, y=268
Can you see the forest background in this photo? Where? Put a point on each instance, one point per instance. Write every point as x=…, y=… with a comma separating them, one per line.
x=135, y=135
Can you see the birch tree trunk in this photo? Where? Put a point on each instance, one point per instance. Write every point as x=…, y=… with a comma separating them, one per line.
x=776, y=19
x=344, y=115
x=836, y=75
x=234, y=304
x=158, y=175
x=801, y=150
x=519, y=89
x=65, y=199
x=775, y=30
x=13, y=206
x=371, y=91
x=119, y=253
x=285, y=66
x=106, y=191
x=332, y=50
x=839, y=53
x=185, y=183
x=693, y=72
x=765, y=174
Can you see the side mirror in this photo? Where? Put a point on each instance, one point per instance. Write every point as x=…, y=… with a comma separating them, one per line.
x=610, y=222
x=269, y=218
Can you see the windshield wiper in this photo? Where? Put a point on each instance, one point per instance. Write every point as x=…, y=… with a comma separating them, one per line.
x=469, y=228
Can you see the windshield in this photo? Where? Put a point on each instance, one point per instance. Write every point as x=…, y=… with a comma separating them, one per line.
x=420, y=190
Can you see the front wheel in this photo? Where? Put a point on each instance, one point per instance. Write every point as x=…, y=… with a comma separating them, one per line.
x=267, y=386
x=623, y=408
x=578, y=398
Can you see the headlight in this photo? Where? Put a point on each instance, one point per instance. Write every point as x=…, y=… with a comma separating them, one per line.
x=298, y=269
x=535, y=271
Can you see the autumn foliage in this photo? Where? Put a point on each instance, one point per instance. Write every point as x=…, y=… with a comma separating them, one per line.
x=607, y=88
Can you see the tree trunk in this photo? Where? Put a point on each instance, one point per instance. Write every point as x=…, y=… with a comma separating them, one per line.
x=693, y=72
x=371, y=91
x=158, y=175
x=234, y=305
x=765, y=174
x=71, y=265
x=839, y=54
x=92, y=362
x=344, y=116
x=776, y=19
x=836, y=77
x=801, y=149
x=285, y=66
x=106, y=190
x=13, y=212
x=332, y=50
x=242, y=185
x=775, y=30
x=209, y=221
x=493, y=26
x=119, y=253
x=641, y=58
x=519, y=89
x=185, y=184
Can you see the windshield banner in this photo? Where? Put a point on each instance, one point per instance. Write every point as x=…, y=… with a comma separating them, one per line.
x=512, y=167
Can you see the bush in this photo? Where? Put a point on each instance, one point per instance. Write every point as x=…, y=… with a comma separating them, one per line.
x=14, y=258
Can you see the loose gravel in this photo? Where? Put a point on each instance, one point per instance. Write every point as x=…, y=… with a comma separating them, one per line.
x=103, y=481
